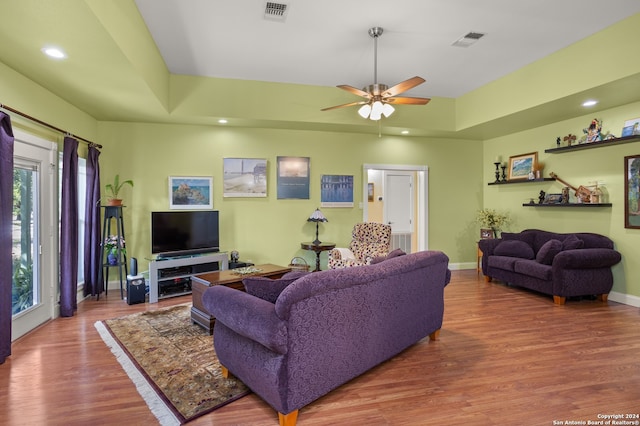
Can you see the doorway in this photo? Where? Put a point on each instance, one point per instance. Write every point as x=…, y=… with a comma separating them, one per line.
x=34, y=233
x=398, y=195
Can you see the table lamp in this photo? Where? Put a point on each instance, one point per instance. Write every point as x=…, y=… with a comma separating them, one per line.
x=317, y=217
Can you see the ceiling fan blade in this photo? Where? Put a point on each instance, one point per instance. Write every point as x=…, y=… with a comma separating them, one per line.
x=403, y=86
x=344, y=105
x=407, y=101
x=355, y=91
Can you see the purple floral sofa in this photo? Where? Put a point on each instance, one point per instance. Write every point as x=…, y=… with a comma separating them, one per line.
x=561, y=265
x=325, y=328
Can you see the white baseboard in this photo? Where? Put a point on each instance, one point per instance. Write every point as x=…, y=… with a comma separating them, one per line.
x=460, y=266
x=626, y=299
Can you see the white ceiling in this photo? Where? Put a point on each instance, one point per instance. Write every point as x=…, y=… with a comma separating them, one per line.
x=326, y=43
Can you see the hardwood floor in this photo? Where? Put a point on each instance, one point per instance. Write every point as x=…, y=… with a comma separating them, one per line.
x=504, y=356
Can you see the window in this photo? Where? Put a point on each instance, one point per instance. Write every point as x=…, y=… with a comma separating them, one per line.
x=82, y=192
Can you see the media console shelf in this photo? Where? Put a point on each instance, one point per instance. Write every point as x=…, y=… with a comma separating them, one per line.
x=175, y=269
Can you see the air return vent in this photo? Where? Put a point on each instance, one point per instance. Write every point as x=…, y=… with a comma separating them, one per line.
x=275, y=11
x=468, y=39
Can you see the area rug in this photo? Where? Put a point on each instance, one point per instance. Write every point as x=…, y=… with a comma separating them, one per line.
x=172, y=363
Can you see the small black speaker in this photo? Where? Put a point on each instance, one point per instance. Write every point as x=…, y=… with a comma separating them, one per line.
x=136, y=289
x=133, y=270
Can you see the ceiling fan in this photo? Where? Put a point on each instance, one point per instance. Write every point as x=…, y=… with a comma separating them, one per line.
x=379, y=97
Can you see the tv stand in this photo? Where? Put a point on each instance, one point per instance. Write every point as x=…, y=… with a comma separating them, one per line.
x=178, y=270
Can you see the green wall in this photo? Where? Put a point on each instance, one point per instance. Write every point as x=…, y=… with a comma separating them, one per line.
x=268, y=230
x=582, y=167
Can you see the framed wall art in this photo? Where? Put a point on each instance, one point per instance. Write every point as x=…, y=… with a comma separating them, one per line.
x=632, y=191
x=336, y=191
x=190, y=193
x=293, y=177
x=631, y=127
x=521, y=165
x=244, y=177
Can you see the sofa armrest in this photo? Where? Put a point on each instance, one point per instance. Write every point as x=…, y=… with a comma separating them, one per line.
x=590, y=258
x=488, y=245
x=248, y=316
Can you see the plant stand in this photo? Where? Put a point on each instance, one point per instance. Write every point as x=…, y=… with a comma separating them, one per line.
x=112, y=212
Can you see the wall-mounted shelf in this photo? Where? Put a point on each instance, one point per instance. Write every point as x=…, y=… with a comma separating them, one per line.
x=505, y=182
x=582, y=205
x=599, y=144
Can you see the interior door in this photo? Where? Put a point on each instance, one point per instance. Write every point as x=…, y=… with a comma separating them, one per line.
x=33, y=233
x=398, y=208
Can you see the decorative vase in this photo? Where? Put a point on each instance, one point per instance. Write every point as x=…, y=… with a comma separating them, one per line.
x=112, y=259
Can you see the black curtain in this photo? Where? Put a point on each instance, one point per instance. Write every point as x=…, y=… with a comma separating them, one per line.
x=6, y=211
x=92, y=240
x=69, y=229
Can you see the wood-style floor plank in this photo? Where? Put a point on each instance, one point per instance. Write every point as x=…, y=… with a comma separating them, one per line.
x=505, y=356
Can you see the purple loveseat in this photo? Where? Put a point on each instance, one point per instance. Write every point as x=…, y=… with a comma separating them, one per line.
x=327, y=327
x=561, y=265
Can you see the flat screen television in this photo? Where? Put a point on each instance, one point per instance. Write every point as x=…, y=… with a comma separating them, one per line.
x=182, y=233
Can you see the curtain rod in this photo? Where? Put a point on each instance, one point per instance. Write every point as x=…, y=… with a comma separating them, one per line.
x=42, y=123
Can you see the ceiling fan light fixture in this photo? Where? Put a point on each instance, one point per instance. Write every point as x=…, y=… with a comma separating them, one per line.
x=387, y=110
x=364, y=111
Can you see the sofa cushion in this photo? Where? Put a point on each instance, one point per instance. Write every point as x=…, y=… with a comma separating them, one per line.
x=548, y=251
x=514, y=248
x=572, y=243
x=266, y=288
x=533, y=269
x=502, y=262
x=395, y=253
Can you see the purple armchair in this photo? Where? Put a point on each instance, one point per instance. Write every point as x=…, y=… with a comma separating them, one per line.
x=327, y=327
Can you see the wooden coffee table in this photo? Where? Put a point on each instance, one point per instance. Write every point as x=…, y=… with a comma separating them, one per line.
x=200, y=283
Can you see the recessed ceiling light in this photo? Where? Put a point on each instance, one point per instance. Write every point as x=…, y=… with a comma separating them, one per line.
x=405, y=132
x=222, y=121
x=589, y=103
x=54, y=52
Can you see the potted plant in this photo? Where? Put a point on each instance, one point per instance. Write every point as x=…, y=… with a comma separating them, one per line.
x=114, y=248
x=491, y=221
x=114, y=188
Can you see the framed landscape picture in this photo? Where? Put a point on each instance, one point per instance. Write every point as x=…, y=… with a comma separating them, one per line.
x=293, y=178
x=521, y=165
x=245, y=177
x=631, y=127
x=632, y=191
x=190, y=193
x=336, y=191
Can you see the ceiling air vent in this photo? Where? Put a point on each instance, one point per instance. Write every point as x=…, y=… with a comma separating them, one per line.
x=468, y=39
x=275, y=11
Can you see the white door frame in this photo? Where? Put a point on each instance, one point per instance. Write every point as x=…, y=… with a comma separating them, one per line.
x=43, y=153
x=422, y=182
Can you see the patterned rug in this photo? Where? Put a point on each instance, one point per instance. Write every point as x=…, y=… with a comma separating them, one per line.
x=172, y=362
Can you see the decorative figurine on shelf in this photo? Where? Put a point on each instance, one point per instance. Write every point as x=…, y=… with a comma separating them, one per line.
x=235, y=256
x=594, y=131
x=541, y=197
x=569, y=139
x=565, y=195
x=558, y=140
x=504, y=173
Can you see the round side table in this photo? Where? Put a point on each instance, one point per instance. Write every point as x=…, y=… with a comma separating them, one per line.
x=318, y=248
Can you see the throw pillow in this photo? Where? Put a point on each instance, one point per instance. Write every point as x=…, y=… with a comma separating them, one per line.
x=266, y=288
x=395, y=253
x=514, y=248
x=548, y=251
x=524, y=236
x=572, y=243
